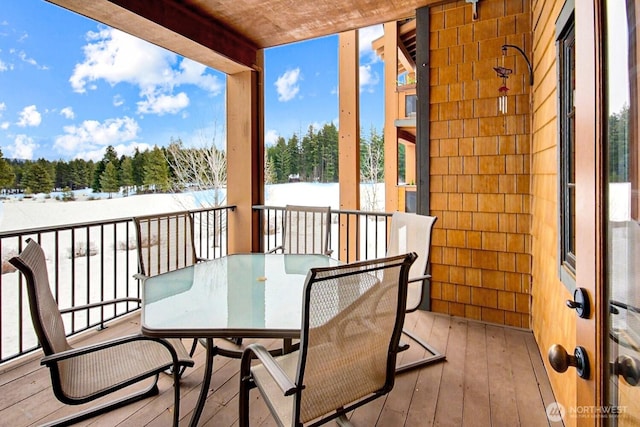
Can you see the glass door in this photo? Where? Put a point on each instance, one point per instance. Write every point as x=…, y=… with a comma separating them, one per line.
x=622, y=132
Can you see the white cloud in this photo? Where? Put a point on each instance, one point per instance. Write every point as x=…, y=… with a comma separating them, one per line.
x=29, y=116
x=22, y=148
x=117, y=57
x=287, y=85
x=3, y=107
x=93, y=135
x=366, y=37
x=271, y=137
x=4, y=125
x=163, y=104
x=23, y=56
x=368, y=78
x=3, y=66
x=118, y=100
x=68, y=113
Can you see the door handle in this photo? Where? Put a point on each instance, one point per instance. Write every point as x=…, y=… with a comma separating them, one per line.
x=580, y=303
x=628, y=368
x=561, y=360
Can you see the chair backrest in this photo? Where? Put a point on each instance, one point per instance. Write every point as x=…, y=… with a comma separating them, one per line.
x=412, y=233
x=45, y=313
x=165, y=242
x=352, y=322
x=306, y=229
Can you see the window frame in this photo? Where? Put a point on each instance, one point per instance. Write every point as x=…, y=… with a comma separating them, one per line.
x=565, y=45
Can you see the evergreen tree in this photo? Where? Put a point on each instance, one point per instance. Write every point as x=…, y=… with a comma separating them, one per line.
x=126, y=173
x=37, y=179
x=293, y=156
x=109, y=180
x=139, y=161
x=7, y=176
x=156, y=170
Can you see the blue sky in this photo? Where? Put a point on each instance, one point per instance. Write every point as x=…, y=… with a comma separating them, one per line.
x=70, y=86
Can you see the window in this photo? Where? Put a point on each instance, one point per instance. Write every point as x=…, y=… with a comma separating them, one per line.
x=566, y=123
x=410, y=103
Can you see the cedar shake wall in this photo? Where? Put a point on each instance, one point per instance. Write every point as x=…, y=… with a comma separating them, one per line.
x=480, y=163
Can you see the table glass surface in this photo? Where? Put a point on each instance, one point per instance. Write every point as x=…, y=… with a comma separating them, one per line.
x=243, y=295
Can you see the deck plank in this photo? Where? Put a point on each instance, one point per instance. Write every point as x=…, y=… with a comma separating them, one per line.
x=504, y=409
x=425, y=395
x=492, y=376
x=451, y=393
x=476, y=410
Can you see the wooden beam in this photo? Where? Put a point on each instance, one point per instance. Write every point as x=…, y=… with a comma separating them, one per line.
x=245, y=157
x=405, y=58
x=173, y=26
x=349, y=139
x=407, y=136
x=390, y=113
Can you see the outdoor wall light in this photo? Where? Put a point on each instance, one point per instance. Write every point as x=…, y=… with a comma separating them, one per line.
x=504, y=73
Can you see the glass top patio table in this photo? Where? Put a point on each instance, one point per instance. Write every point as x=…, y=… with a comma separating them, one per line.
x=243, y=295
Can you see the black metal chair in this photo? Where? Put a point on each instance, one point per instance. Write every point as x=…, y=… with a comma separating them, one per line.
x=81, y=375
x=350, y=334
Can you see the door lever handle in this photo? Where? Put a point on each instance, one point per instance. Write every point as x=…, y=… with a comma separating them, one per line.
x=580, y=303
x=628, y=368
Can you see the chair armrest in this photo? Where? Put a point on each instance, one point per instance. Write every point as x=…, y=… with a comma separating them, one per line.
x=98, y=304
x=274, y=250
x=419, y=278
x=140, y=276
x=75, y=352
x=287, y=386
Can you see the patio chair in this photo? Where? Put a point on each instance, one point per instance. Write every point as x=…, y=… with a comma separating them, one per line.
x=81, y=375
x=351, y=326
x=165, y=243
x=412, y=232
x=305, y=230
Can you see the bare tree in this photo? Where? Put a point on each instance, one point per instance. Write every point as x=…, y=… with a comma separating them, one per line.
x=203, y=168
x=196, y=169
x=372, y=169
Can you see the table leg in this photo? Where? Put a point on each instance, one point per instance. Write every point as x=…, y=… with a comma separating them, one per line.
x=206, y=381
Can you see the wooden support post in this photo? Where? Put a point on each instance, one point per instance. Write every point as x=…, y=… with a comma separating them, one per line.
x=390, y=113
x=349, y=140
x=245, y=157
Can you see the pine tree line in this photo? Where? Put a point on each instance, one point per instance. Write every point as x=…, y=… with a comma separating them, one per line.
x=313, y=158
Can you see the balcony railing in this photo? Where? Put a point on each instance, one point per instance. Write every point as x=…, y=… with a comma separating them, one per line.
x=355, y=235
x=95, y=261
x=87, y=263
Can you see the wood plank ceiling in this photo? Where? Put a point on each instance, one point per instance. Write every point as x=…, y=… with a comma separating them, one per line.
x=226, y=34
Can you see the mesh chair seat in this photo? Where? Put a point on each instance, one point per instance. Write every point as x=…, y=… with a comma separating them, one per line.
x=352, y=321
x=90, y=374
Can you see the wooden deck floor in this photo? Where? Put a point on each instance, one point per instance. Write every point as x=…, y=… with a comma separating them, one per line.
x=493, y=376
